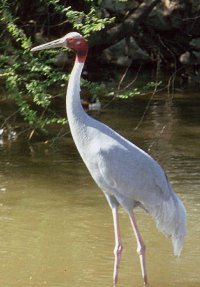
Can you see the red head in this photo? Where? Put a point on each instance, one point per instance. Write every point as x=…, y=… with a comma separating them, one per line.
x=77, y=43
x=72, y=41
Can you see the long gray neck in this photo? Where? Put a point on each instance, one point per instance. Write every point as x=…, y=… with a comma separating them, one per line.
x=77, y=117
x=73, y=103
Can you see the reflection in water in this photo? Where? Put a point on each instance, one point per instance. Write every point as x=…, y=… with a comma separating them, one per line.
x=56, y=227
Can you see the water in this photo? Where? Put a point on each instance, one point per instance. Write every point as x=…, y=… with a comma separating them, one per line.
x=55, y=225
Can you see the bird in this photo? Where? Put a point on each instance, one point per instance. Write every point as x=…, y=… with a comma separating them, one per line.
x=91, y=104
x=128, y=176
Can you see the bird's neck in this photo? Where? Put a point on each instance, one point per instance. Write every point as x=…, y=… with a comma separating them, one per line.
x=73, y=91
x=76, y=115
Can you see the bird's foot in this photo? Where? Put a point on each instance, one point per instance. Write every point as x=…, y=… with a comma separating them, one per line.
x=115, y=280
x=145, y=281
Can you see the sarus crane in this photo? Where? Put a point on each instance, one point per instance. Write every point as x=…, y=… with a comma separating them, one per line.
x=128, y=176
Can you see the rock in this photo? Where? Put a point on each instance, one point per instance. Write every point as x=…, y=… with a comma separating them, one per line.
x=173, y=5
x=195, y=44
x=162, y=19
x=197, y=56
x=186, y=58
x=119, y=6
x=195, y=6
x=158, y=20
x=136, y=52
x=124, y=52
x=190, y=58
x=176, y=21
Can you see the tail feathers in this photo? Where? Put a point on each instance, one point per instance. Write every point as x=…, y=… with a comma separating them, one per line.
x=170, y=217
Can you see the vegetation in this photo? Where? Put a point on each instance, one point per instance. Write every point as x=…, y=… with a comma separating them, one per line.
x=30, y=80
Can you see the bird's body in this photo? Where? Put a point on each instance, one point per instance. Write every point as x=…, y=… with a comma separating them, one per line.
x=127, y=175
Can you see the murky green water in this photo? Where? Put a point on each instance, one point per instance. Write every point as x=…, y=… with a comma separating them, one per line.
x=56, y=227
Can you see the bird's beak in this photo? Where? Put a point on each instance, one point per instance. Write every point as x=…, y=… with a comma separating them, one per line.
x=53, y=44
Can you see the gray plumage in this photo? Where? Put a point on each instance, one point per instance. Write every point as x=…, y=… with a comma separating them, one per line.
x=127, y=175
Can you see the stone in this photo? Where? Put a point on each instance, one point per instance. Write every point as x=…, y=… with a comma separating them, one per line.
x=195, y=44
x=190, y=58
x=158, y=20
x=124, y=52
x=119, y=6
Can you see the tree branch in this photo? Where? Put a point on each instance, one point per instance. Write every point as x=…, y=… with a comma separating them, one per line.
x=106, y=38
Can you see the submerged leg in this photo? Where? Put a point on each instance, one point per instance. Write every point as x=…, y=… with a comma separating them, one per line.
x=140, y=247
x=118, y=244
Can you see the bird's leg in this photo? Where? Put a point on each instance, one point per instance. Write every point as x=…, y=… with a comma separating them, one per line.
x=140, y=247
x=118, y=244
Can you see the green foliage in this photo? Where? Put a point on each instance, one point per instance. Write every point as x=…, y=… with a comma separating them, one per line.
x=129, y=93
x=23, y=76
x=29, y=79
x=93, y=88
x=86, y=23
x=152, y=85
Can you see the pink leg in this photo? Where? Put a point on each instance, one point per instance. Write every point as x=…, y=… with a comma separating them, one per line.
x=140, y=247
x=118, y=244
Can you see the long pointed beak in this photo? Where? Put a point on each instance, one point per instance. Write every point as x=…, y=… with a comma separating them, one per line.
x=53, y=44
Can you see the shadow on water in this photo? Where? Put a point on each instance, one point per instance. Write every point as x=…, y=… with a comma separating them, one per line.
x=55, y=225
